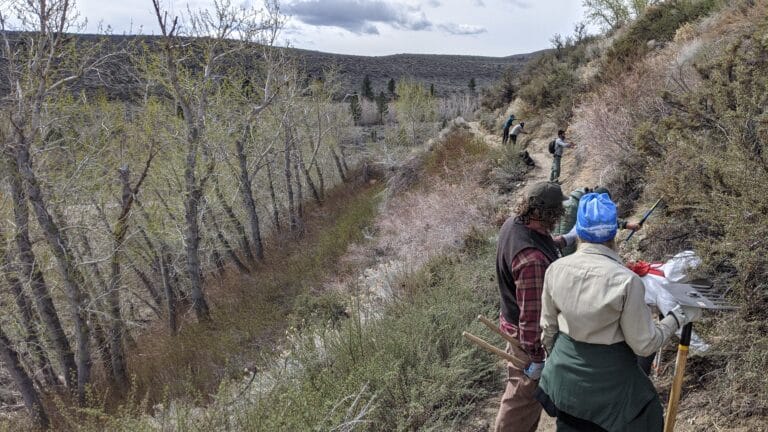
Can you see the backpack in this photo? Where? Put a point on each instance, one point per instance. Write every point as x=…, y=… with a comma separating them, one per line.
x=552, y=146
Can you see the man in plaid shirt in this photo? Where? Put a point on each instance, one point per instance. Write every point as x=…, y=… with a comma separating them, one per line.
x=524, y=252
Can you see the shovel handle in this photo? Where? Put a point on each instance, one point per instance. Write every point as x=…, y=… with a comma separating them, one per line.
x=677, y=383
x=494, y=350
x=494, y=328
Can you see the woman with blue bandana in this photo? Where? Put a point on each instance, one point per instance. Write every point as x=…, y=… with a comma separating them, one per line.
x=594, y=322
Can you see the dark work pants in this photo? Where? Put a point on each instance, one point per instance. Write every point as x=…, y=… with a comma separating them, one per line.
x=505, y=135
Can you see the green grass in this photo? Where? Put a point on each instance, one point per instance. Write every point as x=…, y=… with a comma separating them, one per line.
x=408, y=370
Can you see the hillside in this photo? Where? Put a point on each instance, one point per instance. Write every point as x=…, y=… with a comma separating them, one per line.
x=449, y=73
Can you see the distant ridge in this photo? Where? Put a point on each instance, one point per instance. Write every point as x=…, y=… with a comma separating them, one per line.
x=448, y=73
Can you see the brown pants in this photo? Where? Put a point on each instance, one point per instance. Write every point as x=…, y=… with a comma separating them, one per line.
x=519, y=411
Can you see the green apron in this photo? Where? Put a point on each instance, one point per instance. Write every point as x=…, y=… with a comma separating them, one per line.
x=601, y=384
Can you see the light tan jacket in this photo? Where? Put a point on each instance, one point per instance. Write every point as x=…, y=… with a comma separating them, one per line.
x=593, y=298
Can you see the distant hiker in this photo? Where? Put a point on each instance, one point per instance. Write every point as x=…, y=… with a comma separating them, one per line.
x=594, y=321
x=517, y=130
x=556, y=148
x=505, y=131
x=566, y=229
x=525, y=250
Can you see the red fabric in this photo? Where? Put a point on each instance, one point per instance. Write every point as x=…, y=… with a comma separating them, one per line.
x=528, y=268
x=642, y=268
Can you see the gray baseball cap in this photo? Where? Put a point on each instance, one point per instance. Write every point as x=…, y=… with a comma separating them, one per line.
x=546, y=195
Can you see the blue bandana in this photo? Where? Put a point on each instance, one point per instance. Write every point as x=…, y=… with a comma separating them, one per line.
x=596, y=219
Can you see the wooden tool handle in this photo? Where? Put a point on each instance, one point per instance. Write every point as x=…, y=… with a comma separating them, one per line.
x=493, y=350
x=494, y=328
x=677, y=383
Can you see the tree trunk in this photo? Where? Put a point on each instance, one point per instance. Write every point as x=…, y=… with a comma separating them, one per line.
x=192, y=232
x=99, y=335
x=26, y=387
x=28, y=266
x=166, y=270
x=102, y=344
x=72, y=277
x=151, y=289
x=339, y=166
x=307, y=176
x=248, y=201
x=321, y=181
x=299, y=190
x=273, y=196
x=245, y=245
x=28, y=319
x=116, y=328
x=293, y=220
x=225, y=243
x=343, y=158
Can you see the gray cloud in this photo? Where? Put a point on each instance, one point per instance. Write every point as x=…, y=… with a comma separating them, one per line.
x=524, y=4
x=358, y=16
x=462, y=29
x=479, y=3
x=434, y=3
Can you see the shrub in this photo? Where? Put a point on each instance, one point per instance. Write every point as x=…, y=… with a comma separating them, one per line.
x=509, y=168
x=412, y=361
x=711, y=174
x=502, y=92
x=659, y=23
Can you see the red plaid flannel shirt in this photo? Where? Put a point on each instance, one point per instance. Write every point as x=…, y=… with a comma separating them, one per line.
x=528, y=268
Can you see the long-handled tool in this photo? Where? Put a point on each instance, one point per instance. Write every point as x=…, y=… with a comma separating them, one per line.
x=677, y=383
x=701, y=294
x=492, y=349
x=645, y=217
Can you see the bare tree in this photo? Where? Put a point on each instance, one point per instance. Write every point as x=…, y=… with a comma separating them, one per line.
x=28, y=316
x=27, y=388
x=37, y=70
x=609, y=14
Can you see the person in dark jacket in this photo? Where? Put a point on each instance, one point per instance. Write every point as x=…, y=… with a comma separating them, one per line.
x=505, y=130
x=525, y=250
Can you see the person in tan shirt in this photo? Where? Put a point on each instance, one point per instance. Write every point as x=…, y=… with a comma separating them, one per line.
x=594, y=321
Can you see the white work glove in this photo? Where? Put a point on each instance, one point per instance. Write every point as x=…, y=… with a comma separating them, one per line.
x=685, y=314
x=533, y=371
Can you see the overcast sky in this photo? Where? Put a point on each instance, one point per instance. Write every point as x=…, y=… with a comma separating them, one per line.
x=381, y=27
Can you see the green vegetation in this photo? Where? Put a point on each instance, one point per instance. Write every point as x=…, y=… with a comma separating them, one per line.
x=715, y=140
x=367, y=89
x=382, y=106
x=458, y=149
x=549, y=81
x=412, y=361
x=408, y=370
x=659, y=23
x=415, y=107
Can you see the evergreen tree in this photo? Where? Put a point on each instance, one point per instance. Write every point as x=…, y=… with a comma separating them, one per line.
x=391, y=87
x=472, y=86
x=432, y=90
x=381, y=105
x=357, y=110
x=367, y=88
